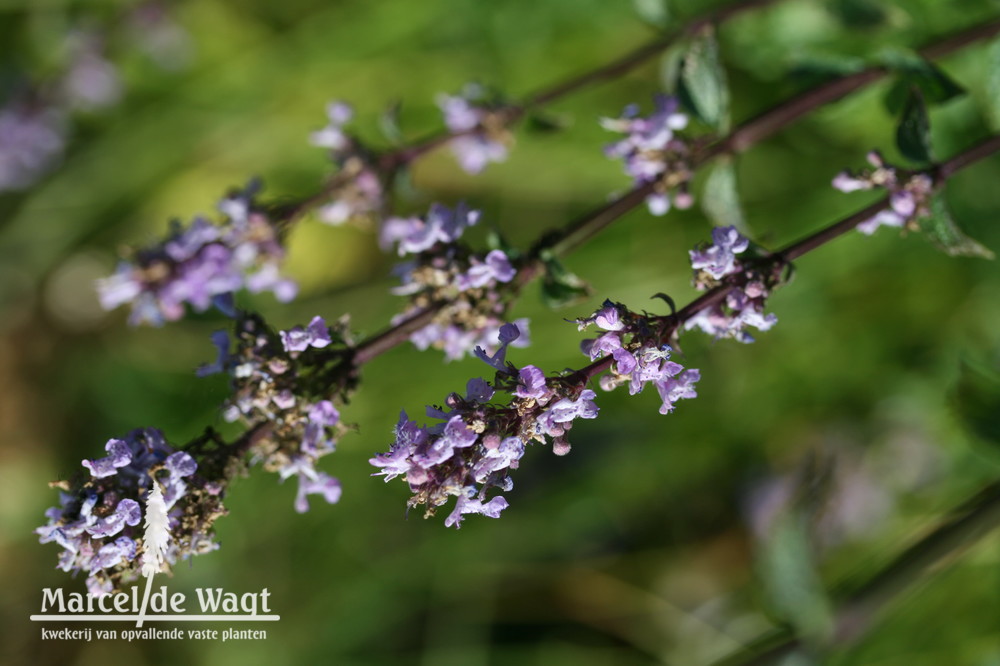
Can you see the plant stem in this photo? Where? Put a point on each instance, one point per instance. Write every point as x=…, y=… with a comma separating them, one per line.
x=391, y=161
x=577, y=232
x=631, y=60
x=857, y=610
x=966, y=158
x=757, y=129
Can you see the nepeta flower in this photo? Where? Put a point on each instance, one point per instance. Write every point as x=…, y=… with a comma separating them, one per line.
x=357, y=192
x=32, y=140
x=652, y=153
x=414, y=235
x=909, y=194
x=639, y=356
x=97, y=521
x=478, y=126
x=477, y=443
x=719, y=259
x=743, y=304
x=443, y=271
x=278, y=379
x=201, y=265
x=317, y=334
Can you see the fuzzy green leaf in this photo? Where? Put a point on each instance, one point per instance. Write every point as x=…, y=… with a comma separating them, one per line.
x=560, y=287
x=942, y=230
x=913, y=135
x=702, y=86
x=720, y=198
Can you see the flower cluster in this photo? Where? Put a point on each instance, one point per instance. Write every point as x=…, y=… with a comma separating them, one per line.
x=97, y=521
x=279, y=379
x=749, y=284
x=633, y=341
x=441, y=270
x=202, y=265
x=479, y=126
x=357, y=192
x=652, y=154
x=31, y=141
x=477, y=442
x=909, y=193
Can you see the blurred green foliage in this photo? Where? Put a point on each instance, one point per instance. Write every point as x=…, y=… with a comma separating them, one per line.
x=635, y=548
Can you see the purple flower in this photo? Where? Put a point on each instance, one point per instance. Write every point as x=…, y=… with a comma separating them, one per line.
x=127, y=513
x=32, y=141
x=650, y=150
x=480, y=138
x=333, y=136
x=478, y=390
x=113, y=553
x=675, y=388
x=324, y=413
x=316, y=334
x=909, y=198
x=320, y=484
x=456, y=434
x=201, y=265
x=495, y=267
x=466, y=505
x=494, y=459
x=508, y=333
x=532, y=384
x=608, y=317
x=119, y=455
x=719, y=259
x=442, y=225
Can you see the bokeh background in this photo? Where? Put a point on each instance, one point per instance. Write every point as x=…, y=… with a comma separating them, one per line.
x=648, y=543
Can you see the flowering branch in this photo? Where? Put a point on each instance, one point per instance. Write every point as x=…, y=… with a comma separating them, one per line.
x=563, y=241
x=479, y=440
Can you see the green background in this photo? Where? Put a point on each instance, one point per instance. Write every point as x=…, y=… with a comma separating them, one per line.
x=633, y=549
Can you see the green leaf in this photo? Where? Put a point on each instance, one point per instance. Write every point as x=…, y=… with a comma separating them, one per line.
x=670, y=68
x=388, y=123
x=858, y=13
x=560, y=287
x=817, y=69
x=720, y=198
x=496, y=241
x=993, y=84
x=915, y=72
x=702, y=86
x=942, y=230
x=789, y=575
x=913, y=135
x=976, y=399
x=653, y=12
x=546, y=123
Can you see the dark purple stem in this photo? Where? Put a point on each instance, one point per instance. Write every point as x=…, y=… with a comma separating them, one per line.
x=579, y=231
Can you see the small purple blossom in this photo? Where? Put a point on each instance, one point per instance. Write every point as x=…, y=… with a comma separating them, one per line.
x=441, y=225
x=32, y=141
x=909, y=194
x=651, y=152
x=319, y=484
x=201, y=265
x=316, y=334
x=333, y=136
x=719, y=259
x=479, y=133
x=98, y=518
x=119, y=455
